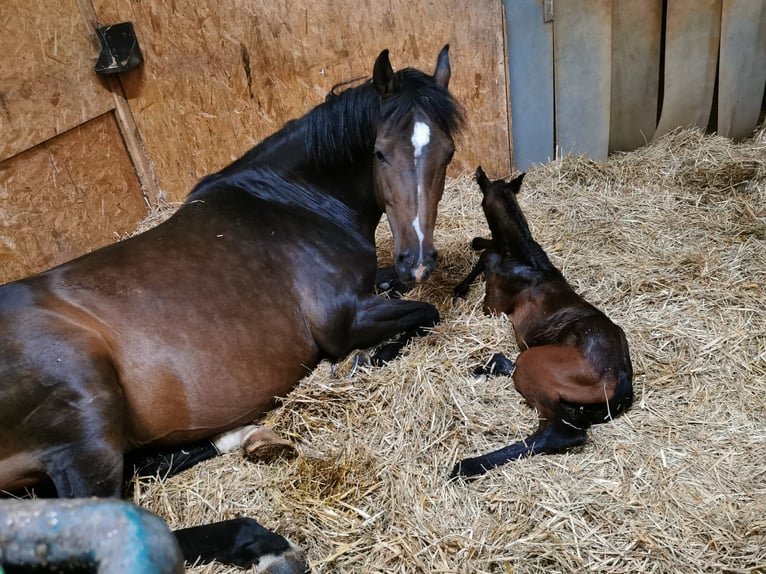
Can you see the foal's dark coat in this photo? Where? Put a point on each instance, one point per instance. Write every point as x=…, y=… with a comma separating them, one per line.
x=574, y=366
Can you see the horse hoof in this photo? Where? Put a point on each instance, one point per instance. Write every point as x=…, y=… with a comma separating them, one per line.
x=498, y=365
x=291, y=562
x=466, y=469
x=263, y=445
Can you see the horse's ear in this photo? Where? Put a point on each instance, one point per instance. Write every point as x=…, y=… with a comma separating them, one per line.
x=515, y=184
x=383, y=77
x=482, y=179
x=443, y=71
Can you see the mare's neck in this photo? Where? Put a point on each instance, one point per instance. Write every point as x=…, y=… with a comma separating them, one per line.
x=299, y=152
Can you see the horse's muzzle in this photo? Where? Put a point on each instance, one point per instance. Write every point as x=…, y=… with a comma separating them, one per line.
x=414, y=269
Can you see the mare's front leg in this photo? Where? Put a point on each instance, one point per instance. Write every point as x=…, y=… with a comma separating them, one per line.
x=387, y=281
x=377, y=320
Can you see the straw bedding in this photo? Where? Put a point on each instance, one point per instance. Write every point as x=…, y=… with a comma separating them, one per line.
x=670, y=241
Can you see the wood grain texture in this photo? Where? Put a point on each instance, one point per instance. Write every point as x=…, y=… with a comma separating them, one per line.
x=219, y=76
x=65, y=197
x=693, y=29
x=47, y=83
x=582, y=50
x=742, y=66
x=636, y=39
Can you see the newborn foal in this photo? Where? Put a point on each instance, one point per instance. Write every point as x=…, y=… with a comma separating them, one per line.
x=574, y=366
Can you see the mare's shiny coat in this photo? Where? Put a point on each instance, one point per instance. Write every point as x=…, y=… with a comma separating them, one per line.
x=574, y=366
x=195, y=326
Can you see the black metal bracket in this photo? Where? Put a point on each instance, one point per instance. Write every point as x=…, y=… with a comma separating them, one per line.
x=120, y=51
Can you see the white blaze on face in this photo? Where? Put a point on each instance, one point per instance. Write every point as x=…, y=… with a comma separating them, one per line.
x=421, y=135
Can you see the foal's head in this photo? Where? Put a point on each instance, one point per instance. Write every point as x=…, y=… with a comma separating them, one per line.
x=504, y=268
x=413, y=147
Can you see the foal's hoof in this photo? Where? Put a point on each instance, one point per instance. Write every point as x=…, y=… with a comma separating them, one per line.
x=466, y=469
x=499, y=364
x=263, y=445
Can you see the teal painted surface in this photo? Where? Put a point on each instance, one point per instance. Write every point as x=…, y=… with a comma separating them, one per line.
x=589, y=82
x=530, y=76
x=114, y=535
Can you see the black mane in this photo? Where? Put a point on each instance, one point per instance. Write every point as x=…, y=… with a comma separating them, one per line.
x=340, y=130
x=347, y=123
x=269, y=185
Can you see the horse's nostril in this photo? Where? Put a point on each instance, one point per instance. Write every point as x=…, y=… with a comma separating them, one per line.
x=403, y=256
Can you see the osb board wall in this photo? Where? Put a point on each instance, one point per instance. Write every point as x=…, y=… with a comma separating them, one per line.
x=220, y=75
x=47, y=85
x=67, y=196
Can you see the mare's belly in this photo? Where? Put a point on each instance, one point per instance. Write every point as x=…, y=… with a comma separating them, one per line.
x=189, y=388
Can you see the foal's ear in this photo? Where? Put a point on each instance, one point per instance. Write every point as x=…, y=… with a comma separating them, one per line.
x=443, y=71
x=383, y=77
x=515, y=184
x=482, y=179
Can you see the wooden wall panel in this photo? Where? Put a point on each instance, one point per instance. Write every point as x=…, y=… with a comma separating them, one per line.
x=582, y=64
x=47, y=83
x=636, y=39
x=219, y=76
x=692, y=39
x=530, y=77
x=741, y=66
x=65, y=197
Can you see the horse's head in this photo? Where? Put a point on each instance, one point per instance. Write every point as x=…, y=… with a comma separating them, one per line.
x=501, y=266
x=413, y=147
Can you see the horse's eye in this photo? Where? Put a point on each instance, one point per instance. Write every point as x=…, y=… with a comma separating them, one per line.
x=379, y=156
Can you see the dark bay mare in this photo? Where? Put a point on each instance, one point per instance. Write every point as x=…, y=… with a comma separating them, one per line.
x=195, y=326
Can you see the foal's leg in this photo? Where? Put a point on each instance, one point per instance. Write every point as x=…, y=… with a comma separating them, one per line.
x=462, y=288
x=378, y=319
x=498, y=364
x=555, y=436
x=543, y=375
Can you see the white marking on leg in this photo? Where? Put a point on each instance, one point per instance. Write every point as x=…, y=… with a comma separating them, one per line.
x=229, y=441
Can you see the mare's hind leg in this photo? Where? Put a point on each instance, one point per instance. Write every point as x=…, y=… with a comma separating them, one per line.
x=242, y=542
x=87, y=469
x=258, y=443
